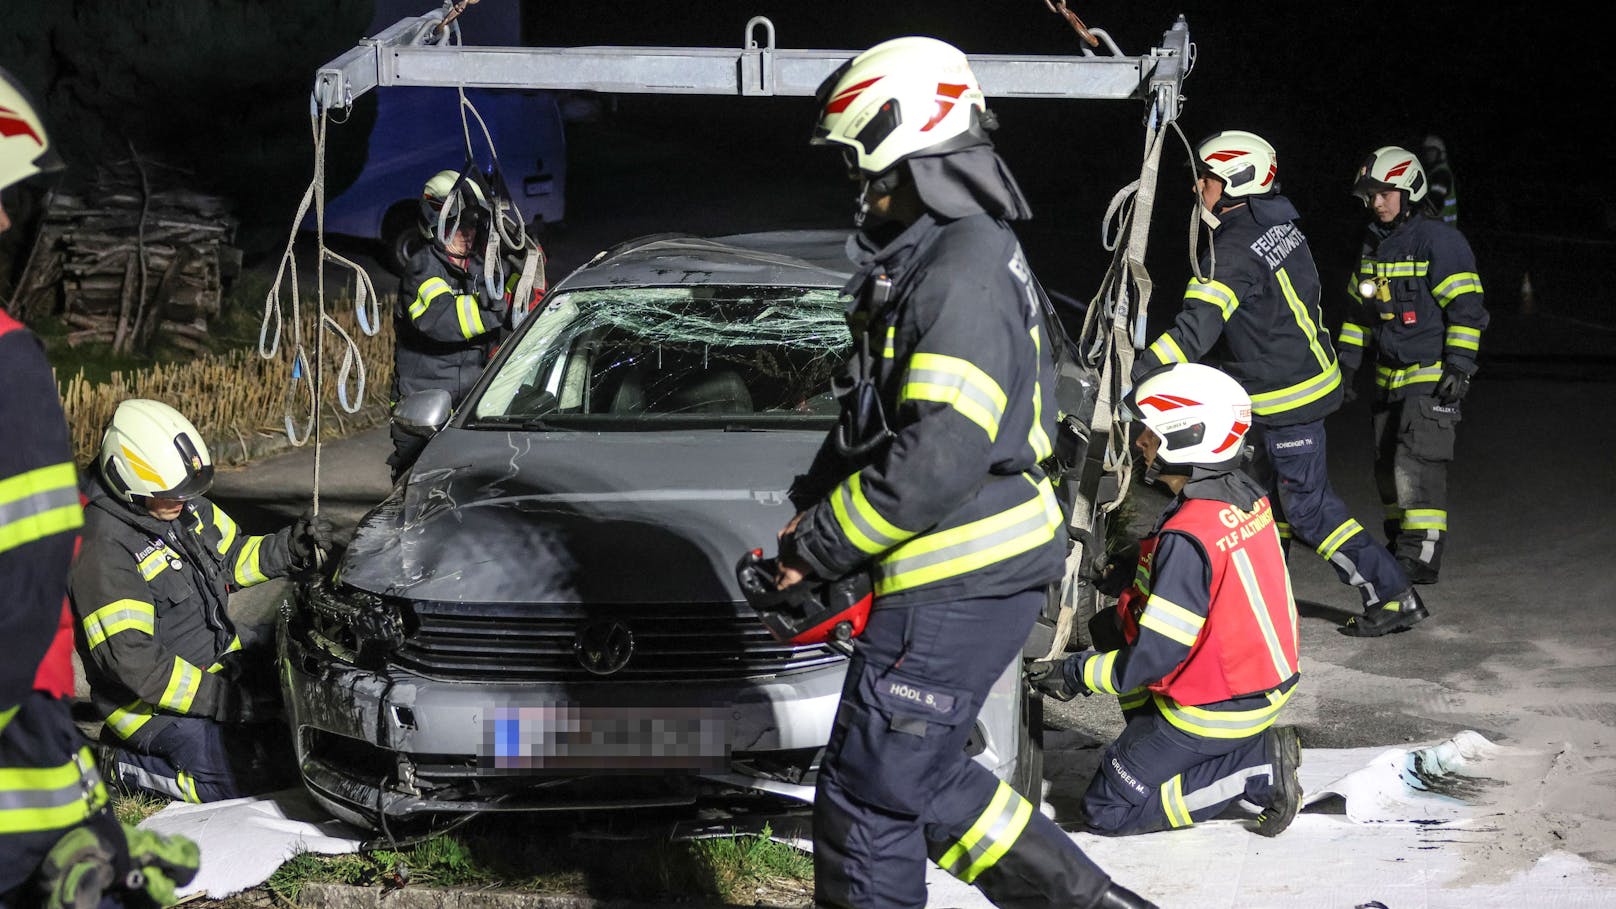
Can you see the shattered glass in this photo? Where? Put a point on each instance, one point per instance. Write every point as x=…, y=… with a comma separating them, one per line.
x=669, y=353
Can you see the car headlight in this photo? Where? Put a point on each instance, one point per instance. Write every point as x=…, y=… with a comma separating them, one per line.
x=353, y=625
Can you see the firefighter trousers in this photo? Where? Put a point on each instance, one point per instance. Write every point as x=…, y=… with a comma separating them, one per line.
x=1156, y=776
x=196, y=759
x=896, y=784
x=1414, y=441
x=1290, y=464
x=48, y=787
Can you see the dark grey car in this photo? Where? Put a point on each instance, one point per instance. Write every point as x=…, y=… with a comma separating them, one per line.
x=544, y=614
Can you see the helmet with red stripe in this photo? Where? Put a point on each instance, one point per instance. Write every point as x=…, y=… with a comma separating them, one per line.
x=1245, y=162
x=1200, y=414
x=899, y=99
x=1391, y=167
x=25, y=150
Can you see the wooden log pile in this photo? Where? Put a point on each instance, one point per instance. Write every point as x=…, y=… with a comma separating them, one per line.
x=128, y=257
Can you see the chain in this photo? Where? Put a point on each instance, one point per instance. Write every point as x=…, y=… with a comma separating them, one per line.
x=1082, y=30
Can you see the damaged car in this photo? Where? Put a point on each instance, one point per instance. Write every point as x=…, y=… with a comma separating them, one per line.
x=544, y=614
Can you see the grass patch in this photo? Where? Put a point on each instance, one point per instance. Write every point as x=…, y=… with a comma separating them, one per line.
x=525, y=857
x=134, y=807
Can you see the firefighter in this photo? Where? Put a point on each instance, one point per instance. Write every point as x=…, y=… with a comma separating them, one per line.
x=1418, y=300
x=1260, y=299
x=183, y=704
x=1203, y=646
x=1439, y=170
x=931, y=484
x=446, y=322
x=60, y=841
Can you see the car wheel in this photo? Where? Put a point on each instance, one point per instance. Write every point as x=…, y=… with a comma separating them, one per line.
x=400, y=239
x=1028, y=778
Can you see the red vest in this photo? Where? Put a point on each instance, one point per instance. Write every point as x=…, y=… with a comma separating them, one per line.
x=1249, y=643
x=55, y=673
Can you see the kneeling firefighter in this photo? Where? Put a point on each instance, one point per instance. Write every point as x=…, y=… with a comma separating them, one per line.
x=1201, y=650
x=931, y=484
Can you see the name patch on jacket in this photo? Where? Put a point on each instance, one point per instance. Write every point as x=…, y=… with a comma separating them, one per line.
x=1303, y=445
x=919, y=696
x=1278, y=242
x=155, y=557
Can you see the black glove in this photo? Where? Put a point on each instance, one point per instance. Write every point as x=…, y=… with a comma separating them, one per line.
x=310, y=541
x=240, y=703
x=1049, y=676
x=1105, y=630
x=1349, y=391
x=1114, y=572
x=1451, y=388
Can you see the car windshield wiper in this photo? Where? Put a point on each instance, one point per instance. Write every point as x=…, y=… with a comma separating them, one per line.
x=532, y=422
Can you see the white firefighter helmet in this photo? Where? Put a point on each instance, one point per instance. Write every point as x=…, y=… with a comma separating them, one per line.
x=1390, y=167
x=459, y=194
x=25, y=150
x=1245, y=162
x=1200, y=414
x=903, y=97
x=150, y=450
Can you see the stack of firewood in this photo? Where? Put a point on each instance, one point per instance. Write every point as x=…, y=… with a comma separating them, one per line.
x=128, y=257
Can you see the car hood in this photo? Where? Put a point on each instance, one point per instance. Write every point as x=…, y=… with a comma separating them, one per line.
x=572, y=517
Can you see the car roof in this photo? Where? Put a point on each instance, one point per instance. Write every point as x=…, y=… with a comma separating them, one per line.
x=783, y=258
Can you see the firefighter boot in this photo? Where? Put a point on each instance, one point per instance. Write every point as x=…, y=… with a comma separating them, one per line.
x=1285, y=751
x=1398, y=614
x=1418, y=572
x=1116, y=897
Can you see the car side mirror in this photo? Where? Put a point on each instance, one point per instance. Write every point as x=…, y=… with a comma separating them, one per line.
x=423, y=413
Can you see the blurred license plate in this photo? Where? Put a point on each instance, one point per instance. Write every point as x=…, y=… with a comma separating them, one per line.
x=604, y=738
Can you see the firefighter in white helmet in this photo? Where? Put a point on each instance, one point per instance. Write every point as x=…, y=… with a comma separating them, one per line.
x=1257, y=308
x=1201, y=649
x=1417, y=300
x=931, y=484
x=62, y=844
x=181, y=701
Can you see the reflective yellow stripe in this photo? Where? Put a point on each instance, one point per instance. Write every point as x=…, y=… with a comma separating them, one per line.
x=1099, y=672
x=1456, y=285
x=968, y=547
x=39, y=503
x=430, y=290
x=1388, y=378
x=126, y=721
x=119, y=615
x=1397, y=269
x=1259, y=611
x=889, y=350
x=1167, y=350
x=1304, y=319
x=1222, y=724
x=1353, y=335
x=187, y=784
x=5, y=717
x=959, y=384
x=1425, y=519
x=37, y=799
x=471, y=318
x=860, y=522
x=1171, y=620
x=1283, y=399
x=248, y=571
x=1463, y=337
x=154, y=563
x=1037, y=438
x=1172, y=799
x=227, y=529
x=1138, y=697
x=1284, y=529
x=183, y=683
x=992, y=835
x=235, y=645
x=1217, y=293
x=1348, y=529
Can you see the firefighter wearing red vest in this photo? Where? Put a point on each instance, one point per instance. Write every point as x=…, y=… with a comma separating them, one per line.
x=1205, y=639
x=60, y=841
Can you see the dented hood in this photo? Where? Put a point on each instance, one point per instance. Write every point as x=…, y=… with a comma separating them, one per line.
x=570, y=517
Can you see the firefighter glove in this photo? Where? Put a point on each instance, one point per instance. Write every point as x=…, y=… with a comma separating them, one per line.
x=161, y=864
x=1451, y=388
x=1115, y=570
x=1349, y=389
x=1052, y=678
x=77, y=870
x=311, y=541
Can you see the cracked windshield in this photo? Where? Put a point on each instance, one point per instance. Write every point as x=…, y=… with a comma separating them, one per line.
x=655, y=354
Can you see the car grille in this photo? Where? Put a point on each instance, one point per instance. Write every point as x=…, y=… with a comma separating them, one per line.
x=671, y=641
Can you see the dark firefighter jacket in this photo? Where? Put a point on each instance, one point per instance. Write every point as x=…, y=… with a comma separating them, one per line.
x=1215, y=642
x=150, y=599
x=954, y=504
x=445, y=325
x=1261, y=300
x=1428, y=310
x=47, y=777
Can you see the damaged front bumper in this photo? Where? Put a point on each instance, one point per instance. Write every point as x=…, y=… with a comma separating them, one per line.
x=377, y=744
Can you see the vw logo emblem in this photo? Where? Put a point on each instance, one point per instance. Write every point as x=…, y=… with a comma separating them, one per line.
x=603, y=647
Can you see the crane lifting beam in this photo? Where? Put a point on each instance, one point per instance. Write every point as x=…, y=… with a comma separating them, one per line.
x=411, y=52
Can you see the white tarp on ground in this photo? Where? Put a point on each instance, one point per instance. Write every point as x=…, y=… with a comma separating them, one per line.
x=1448, y=824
